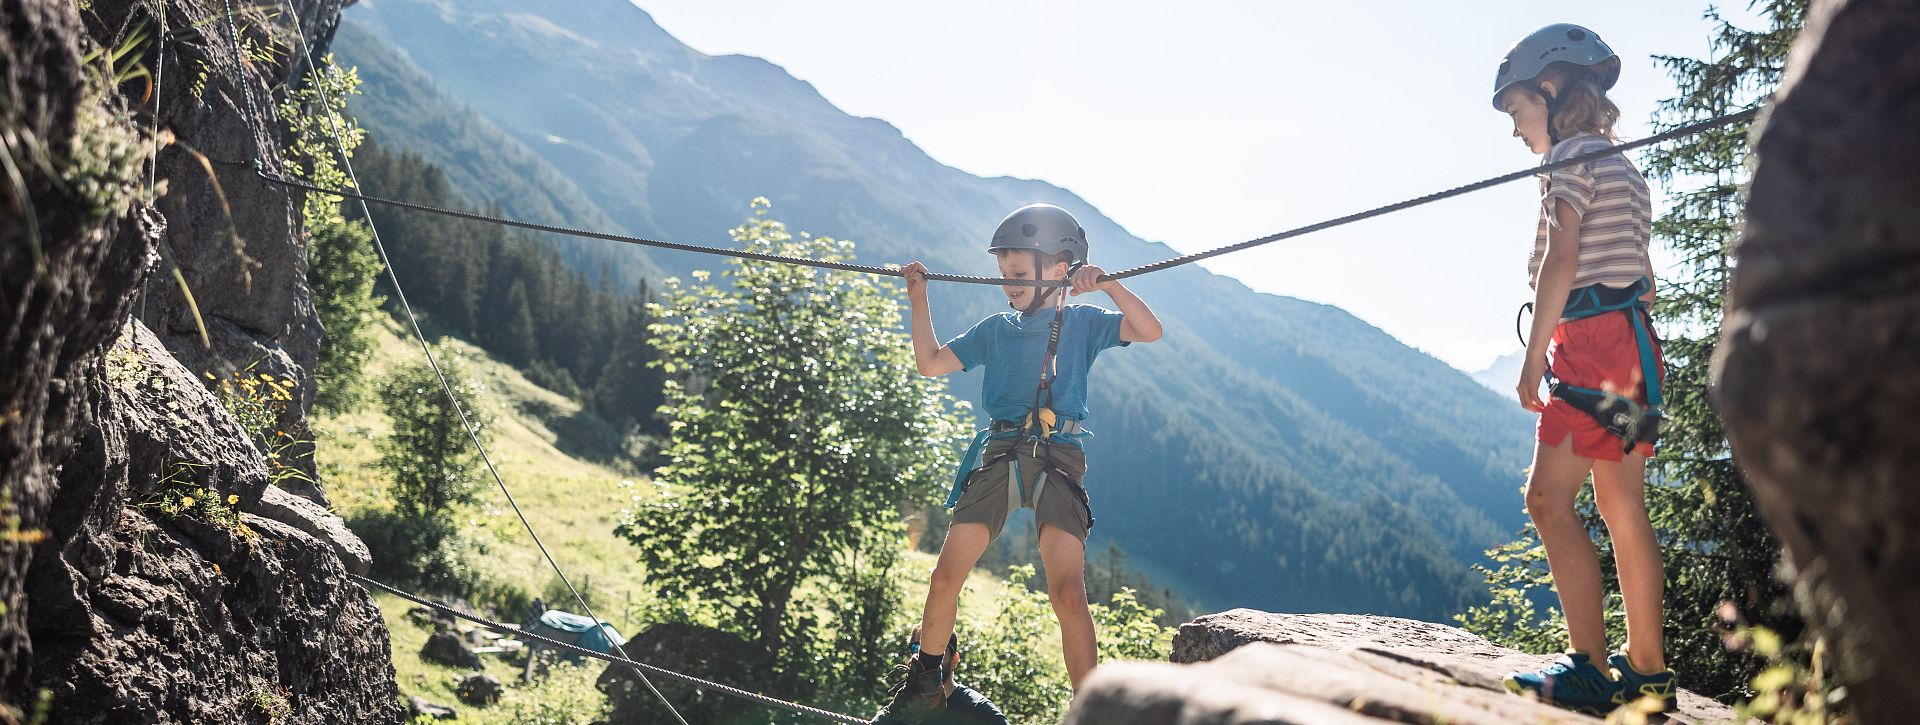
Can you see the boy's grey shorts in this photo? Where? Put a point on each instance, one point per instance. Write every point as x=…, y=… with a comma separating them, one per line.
x=1050, y=487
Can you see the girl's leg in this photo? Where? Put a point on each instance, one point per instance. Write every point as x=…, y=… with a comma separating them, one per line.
x=962, y=549
x=1557, y=476
x=1065, y=558
x=1620, y=491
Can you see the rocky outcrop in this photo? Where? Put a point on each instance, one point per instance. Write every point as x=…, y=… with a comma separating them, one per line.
x=236, y=241
x=68, y=255
x=148, y=607
x=1823, y=334
x=1247, y=666
x=139, y=584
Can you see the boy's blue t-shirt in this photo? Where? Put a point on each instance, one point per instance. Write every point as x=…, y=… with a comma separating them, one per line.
x=1012, y=346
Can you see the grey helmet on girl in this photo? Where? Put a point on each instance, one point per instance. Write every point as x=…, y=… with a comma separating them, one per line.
x=1558, y=43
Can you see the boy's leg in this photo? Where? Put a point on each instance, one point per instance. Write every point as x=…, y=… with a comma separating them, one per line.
x=966, y=541
x=1065, y=558
x=1558, y=473
x=1619, y=489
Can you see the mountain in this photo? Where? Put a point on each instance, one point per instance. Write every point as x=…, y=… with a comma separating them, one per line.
x=1502, y=373
x=1270, y=452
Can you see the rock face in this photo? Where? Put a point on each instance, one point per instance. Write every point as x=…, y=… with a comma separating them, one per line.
x=237, y=241
x=1258, y=667
x=1823, y=334
x=139, y=584
x=68, y=255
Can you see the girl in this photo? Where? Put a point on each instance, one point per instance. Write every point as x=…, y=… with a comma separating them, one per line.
x=1592, y=283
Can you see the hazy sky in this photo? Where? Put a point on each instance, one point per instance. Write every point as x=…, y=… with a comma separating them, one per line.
x=1205, y=122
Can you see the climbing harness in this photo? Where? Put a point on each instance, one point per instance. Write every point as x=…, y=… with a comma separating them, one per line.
x=1042, y=427
x=1624, y=417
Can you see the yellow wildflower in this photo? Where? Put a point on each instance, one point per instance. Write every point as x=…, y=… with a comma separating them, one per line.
x=186, y=502
x=233, y=498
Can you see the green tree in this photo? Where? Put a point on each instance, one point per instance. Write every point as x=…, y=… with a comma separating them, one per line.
x=1717, y=550
x=435, y=469
x=342, y=269
x=341, y=263
x=799, y=431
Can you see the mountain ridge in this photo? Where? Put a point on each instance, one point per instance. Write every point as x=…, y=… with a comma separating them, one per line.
x=1309, y=403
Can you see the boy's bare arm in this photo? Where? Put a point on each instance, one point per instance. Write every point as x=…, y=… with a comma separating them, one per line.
x=1137, y=321
x=930, y=357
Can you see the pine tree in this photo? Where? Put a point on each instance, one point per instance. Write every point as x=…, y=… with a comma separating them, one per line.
x=1716, y=547
x=516, y=342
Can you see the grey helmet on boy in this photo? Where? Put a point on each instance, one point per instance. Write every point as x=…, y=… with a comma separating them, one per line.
x=1043, y=228
x=1558, y=43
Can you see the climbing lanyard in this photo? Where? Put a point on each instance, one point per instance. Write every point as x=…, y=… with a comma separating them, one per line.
x=1040, y=416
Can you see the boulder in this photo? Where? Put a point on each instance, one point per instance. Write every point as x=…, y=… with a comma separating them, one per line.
x=688, y=649
x=1248, y=666
x=447, y=649
x=479, y=688
x=418, y=707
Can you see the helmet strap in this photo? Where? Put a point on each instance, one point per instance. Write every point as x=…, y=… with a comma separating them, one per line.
x=1043, y=296
x=1556, y=100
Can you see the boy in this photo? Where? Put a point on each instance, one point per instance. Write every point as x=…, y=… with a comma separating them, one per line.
x=1037, y=359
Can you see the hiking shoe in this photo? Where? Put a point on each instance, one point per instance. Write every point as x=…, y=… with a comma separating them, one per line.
x=1572, y=682
x=916, y=693
x=1636, y=685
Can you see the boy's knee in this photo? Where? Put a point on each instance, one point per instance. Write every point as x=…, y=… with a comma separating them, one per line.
x=1067, y=591
x=948, y=580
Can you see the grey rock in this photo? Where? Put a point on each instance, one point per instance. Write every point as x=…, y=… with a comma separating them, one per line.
x=447, y=649
x=417, y=707
x=1248, y=666
x=479, y=688
x=317, y=522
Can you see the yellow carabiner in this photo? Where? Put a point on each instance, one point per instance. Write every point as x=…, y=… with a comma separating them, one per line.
x=1045, y=417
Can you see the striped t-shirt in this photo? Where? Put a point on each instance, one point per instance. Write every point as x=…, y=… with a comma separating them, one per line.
x=1616, y=216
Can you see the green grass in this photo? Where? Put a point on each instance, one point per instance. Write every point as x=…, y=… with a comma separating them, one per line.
x=574, y=504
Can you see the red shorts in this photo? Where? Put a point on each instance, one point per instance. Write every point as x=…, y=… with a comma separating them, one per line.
x=1597, y=352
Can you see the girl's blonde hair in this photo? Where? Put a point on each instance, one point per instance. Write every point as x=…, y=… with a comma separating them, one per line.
x=1582, y=105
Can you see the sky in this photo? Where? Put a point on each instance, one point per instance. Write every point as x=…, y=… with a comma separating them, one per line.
x=1207, y=122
